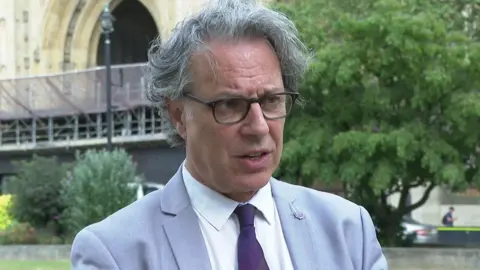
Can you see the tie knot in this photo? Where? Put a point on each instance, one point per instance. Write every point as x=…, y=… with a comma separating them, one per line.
x=245, y=214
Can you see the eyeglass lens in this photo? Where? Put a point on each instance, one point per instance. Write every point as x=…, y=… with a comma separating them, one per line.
x=235, y=109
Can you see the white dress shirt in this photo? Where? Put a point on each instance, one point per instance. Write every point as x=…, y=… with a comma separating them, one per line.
x=220, y=227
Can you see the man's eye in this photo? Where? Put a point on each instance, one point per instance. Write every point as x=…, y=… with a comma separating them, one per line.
x=234, y=103
x=273, y=99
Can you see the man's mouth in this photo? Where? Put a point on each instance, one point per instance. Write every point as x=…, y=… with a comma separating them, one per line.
x=254, y=156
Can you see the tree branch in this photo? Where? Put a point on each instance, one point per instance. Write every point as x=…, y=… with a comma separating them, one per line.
x=403, y=196
x=299, y=176
x=393, y=189
x=416, y=184
x=422, y=200
x=383, y=209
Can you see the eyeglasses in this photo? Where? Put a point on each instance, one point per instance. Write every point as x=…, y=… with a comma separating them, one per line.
x=230, y=111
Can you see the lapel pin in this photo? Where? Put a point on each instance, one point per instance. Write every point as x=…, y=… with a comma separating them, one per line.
x=299, y=215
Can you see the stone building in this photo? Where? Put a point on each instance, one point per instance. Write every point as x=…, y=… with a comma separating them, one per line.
x=52, y=36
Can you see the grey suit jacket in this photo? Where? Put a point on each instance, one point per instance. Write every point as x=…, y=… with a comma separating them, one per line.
x=161, y=232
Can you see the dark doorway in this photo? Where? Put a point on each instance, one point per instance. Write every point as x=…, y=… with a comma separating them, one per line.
x=134, y=29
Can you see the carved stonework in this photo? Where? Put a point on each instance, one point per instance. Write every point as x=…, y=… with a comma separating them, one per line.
x=26, y=62
x=25, y=16
x=57, y=34
x=3, y=45
x=36, y=55
x=67, y=53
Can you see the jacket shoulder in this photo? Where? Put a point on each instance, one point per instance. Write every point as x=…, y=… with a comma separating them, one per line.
x=137, y=216
x=326, y=203
x=128, y=238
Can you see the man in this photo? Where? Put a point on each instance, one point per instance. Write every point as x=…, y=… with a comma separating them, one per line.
x=448, y=218
x=224, y=82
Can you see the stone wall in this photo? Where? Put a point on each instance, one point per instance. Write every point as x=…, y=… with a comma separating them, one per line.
x=432, y=258
x=398, y=258
x=35, y=252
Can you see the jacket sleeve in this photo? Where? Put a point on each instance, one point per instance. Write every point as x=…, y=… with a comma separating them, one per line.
x=89, y=253
x=373, y=258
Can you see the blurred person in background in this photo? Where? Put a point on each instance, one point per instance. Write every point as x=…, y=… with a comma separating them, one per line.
x=448, y=218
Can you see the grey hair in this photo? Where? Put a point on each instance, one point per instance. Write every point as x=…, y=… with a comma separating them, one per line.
x=167, y=72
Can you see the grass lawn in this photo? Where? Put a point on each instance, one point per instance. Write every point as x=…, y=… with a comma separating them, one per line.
x=34, y=265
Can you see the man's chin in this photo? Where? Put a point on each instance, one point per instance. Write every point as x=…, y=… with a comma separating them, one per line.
x=253, y=182
x=245, y=188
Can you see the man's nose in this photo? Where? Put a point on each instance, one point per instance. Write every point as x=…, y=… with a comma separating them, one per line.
x=256, y=124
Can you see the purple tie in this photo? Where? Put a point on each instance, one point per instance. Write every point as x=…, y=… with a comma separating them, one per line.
x=250, y=253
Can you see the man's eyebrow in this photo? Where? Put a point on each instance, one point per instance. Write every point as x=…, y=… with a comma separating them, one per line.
x=229, y=94
x=274, y=90
x=236, y=94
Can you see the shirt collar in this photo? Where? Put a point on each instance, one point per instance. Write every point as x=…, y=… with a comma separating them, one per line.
x=217, y=209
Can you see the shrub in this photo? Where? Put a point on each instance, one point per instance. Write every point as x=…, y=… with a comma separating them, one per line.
x=97, y=187
x=5, y=217
x=37, y=190
x=18, y=234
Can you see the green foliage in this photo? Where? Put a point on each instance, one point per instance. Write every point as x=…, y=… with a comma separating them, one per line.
x=392, y=100
x=5, y=217
x=18, y=234
x=97, y=187
x=36, y=190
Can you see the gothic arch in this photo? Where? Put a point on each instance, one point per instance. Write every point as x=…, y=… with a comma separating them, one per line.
x=134, y=30
x=71, y=30
x=54, y=31
x=88, y=31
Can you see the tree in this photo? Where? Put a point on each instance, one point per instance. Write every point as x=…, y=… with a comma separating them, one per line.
x=36, y=190
x=391, y=103
x=464, y=14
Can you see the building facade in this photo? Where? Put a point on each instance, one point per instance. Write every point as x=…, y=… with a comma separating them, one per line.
x=53, y=36
x=53, y=76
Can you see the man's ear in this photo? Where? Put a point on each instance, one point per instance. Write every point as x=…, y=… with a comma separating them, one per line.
x=176, y=111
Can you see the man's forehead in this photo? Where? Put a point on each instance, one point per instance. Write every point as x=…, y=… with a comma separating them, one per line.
x=221, y=51
x=250, y=63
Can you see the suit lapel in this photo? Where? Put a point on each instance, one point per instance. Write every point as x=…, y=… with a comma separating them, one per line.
x=186, y=240
x=182, y=230
x=295, y=226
